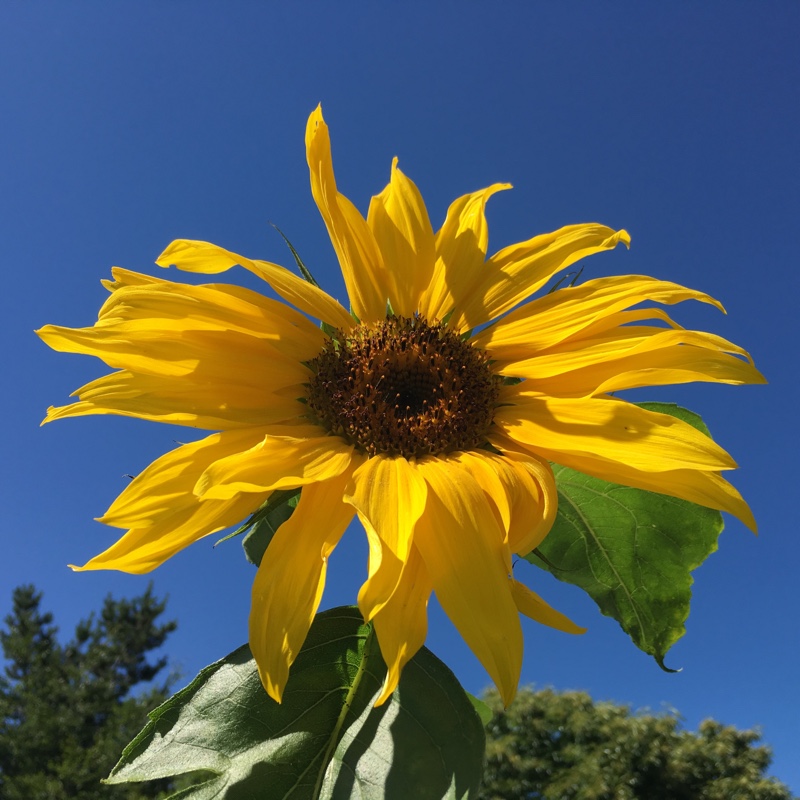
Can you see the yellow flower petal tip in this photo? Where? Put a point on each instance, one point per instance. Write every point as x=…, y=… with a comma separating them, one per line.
x=439, y=438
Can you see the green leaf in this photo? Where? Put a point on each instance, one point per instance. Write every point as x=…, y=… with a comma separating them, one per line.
x=261, y=527
x=326, y=740
x=481, y=709
x=632, y=551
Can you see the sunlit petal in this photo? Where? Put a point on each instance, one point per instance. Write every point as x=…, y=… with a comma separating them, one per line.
x=290, y=580
x=402, y=623
x=360, y=259
x=389, y=495
x=399, y=220
x=204, y=257
x=516, y=272
x=460, y=253
x=461, y=543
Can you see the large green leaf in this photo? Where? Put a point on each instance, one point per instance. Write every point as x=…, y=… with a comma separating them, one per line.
x=631, y=550
x=326, y=740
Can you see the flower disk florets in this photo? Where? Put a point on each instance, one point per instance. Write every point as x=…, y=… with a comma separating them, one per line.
x=403, y=387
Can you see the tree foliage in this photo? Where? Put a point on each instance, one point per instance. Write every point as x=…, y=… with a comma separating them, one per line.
x=67, y=711
x=564, y=746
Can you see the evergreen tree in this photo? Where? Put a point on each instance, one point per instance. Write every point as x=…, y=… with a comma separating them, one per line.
x=67, y=711
x=553, y=746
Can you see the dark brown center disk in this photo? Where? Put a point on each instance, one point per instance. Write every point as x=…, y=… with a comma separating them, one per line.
x=403, y=387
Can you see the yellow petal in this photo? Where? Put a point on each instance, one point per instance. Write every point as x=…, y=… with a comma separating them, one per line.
x=208, y=355
x=516, y=272
x=531, y=605
x=389, y=495
x=183, y=401
x=161, y=511
x=362, y=266
x=402, y=623
x=164, y=305
x=141, y=550
x=630, y=357
x=613, y=430
x=551, y=319
x=169, y=480
x=206, y=258
x=705, y=488
x=461, y=542
x=399, y=220
x=289, y=583
x=288, y=457
x=523, y=490
x=460, y=254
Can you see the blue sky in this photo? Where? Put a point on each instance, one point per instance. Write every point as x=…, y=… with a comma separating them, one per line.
x=126, y=125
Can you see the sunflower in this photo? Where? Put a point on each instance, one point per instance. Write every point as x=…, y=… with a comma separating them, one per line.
x=431, y=409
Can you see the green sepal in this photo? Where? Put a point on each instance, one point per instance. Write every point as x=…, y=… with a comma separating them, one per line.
x=631, y=550
x=304, y=270
x=262, y=526
x=326, y=740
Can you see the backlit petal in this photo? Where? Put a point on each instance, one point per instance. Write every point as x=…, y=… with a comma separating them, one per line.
x=705, y=488
x=165, y=305
x=610, y=429
x=287, y=457
x=555, y=317
x=389, y=495
x=633, y=356
x=367, y=282
x=206, y=258
x=460, y=254
x=162, y=513
x=207, y=355
x=523, y=490
x=461, y=543
x=183, y=401
x=516, y=272
x=531, y=605
x=402, y=623
x=290, y=580
x=399, y=220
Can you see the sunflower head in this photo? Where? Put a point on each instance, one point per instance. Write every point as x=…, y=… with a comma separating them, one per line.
x=435, y=423
x=403, y=387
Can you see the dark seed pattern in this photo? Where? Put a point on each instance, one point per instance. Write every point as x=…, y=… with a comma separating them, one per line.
x=403, y=387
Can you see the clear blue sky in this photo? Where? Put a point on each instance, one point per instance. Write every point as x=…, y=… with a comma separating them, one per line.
x=125, y=125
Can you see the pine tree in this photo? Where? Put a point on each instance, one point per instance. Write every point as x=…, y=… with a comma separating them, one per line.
x=67, y=711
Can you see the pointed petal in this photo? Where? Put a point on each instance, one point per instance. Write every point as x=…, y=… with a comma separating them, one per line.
x=399, y=220
x=183, y=401
x=402, y=623
x=522, y=488
x=362, y=266
x=705, y=488
x=610, y=429
x=514, y=273
x=161, y=511
x=389, y=495
x=531, y=605
x=633, y=356
x=461, y=543
x=164, y=305
x=204, y=257
x=460, y=254
x=209, y=355
x=289, y=583
x=288, y=456
x=551, y=319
